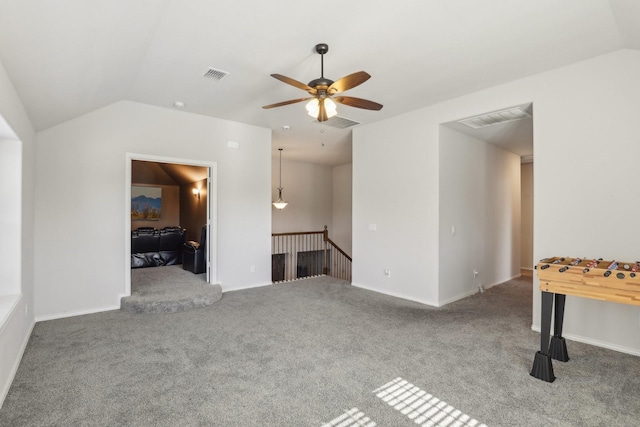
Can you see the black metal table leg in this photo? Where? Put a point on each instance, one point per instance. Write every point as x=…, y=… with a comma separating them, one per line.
x=542, y=367
x=558, y=347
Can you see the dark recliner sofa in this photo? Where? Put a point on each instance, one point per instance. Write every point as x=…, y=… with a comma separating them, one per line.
x=193, y=254
x=152, y=248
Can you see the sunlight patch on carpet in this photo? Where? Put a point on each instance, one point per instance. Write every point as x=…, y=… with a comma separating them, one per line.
x=351, y=418
x=421, y=407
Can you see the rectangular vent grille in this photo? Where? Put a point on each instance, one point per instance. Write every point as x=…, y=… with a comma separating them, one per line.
x=340, y=122
x=215, y=74
x=526, y=159
x=497, y=117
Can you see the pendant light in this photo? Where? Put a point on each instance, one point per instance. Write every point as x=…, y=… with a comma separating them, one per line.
x=280, y=204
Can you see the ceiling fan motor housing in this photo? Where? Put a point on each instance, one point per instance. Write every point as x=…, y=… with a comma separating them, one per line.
x=321, y=83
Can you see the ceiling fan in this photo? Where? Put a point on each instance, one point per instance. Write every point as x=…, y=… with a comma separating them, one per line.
x=321, y=103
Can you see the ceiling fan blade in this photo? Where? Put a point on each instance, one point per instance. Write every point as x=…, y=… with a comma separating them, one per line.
x=348, y=82
x=294, y=83
x=280, y=104
x=357, y=102
x=322, y=113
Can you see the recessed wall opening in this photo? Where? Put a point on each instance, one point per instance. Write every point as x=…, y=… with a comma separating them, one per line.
x=11, y=211
x=483, y=240
x=168, y=216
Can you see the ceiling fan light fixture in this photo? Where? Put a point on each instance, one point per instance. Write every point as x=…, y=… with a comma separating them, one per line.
x=313, y=108
x=330, y=107
x=321, y=106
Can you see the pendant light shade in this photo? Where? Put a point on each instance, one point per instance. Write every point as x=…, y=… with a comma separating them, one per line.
x=280, y=203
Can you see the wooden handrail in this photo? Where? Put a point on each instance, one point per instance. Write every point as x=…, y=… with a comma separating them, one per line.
x=293, y=256
x=296, y=233
x=339, y=250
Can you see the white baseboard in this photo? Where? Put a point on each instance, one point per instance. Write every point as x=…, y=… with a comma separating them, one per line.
x=459, y=297
x=241, y=287
x=395, y=294
x=473, y=291
x=75, y=313
x=597, y=343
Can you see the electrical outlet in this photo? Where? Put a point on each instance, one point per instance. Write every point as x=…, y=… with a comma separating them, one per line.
x=387, y=273
x=475, y=273
x=253, y=268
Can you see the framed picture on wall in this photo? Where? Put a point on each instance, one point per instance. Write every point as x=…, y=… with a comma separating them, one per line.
x=146, y=203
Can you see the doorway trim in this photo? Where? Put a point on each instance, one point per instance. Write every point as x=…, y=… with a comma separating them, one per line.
x=212, y=239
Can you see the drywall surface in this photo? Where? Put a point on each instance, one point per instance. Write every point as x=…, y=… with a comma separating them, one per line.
x=526, y=215
x=80, y=200
x=10, y=216
x=308, y=189
x=479, y=215
x=395, y=207
x=585, y=148
x=17, y=220
x=342, y=217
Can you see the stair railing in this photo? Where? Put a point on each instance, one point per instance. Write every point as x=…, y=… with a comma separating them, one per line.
x=305, y=254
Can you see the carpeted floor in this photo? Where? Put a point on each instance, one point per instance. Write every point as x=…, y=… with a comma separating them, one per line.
x=168, y=289
x=313, y=353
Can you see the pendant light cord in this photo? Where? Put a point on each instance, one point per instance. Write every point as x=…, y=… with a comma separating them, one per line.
x=280, y=187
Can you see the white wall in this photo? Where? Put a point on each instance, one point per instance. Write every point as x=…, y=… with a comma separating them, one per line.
x=16, y=309
x=585, y=148
x=342, y=217
x=526, y=191
x=80, y=200
x=308, y=189
x=10, y=216
x=586, y=141
x=479, y=215
x=395, y=191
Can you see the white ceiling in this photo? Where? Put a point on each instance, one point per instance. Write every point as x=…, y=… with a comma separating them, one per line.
x=69, y=57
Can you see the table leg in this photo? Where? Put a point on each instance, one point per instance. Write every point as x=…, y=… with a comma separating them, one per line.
x=558, y=347
x=542, y=367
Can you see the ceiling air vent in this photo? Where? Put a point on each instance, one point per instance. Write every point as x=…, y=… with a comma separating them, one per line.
x=339, y=122
x=496, y=117
x=526, y=159
x=215, y=74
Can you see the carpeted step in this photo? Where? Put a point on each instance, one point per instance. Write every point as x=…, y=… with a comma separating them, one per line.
x=168, y=290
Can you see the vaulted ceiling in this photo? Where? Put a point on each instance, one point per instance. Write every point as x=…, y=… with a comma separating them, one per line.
x=69, y=57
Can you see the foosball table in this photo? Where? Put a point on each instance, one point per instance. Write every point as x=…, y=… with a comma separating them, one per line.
x=588, y=278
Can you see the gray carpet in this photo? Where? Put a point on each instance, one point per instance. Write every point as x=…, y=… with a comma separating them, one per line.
x=312, y=353
x=168, y=289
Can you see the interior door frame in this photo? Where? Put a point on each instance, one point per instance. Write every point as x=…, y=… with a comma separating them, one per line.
x=212, y=203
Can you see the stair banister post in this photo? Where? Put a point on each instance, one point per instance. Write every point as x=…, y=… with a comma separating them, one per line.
x=324, y=254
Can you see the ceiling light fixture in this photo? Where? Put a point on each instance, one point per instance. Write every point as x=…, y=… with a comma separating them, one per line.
x=280, y=203
x=323, y=91
x=496, y=117
x=313, y=107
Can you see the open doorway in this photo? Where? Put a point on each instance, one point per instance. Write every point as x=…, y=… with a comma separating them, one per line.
x=175, y=198
x=481, y=201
